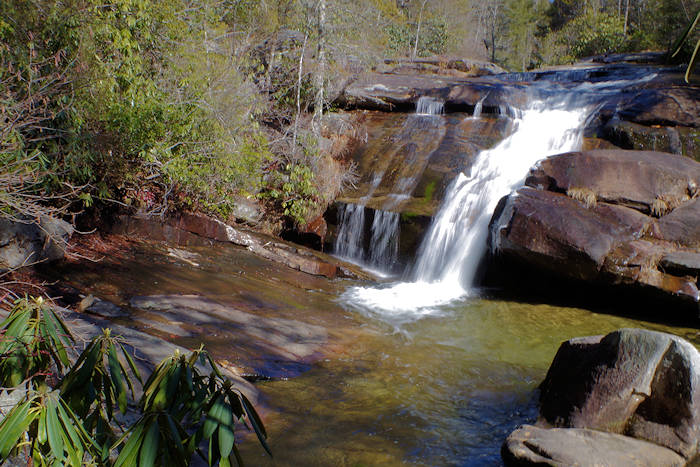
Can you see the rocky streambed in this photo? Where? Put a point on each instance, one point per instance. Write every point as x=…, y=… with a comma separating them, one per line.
x=343, y=382
x=338, y=387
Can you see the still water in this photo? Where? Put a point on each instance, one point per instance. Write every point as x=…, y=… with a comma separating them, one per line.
x=444, y=389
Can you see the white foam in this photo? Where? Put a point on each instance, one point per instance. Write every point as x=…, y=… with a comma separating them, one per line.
x=404, y=301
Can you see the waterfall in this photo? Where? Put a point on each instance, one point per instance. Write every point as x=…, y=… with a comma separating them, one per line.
x=383, y=246
x=479, y=105
x=430, y=106
x=456, y=241
x=384, y=243
x=351, y=225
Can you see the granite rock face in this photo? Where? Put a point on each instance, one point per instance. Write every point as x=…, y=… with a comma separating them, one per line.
x=611, y=217
x=198, y=229
x=631, y=397
x=27, y=242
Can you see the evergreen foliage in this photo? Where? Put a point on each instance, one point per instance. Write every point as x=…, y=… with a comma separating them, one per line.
x=168, y=104
x=69, y=419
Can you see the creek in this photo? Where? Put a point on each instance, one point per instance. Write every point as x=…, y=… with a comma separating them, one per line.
x=426, y=368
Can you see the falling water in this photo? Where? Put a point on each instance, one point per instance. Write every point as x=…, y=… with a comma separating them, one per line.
x=349, y=241
x=478, y=107
x=384, y=249
x=382, y=254
x=456, y=241
x=430, y=106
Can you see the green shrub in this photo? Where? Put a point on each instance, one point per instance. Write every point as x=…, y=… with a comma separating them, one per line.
x=33, y=342
x=181, y=407
x=596, y=34
x=432, y=40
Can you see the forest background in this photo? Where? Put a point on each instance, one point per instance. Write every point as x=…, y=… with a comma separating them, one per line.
x=208, y=105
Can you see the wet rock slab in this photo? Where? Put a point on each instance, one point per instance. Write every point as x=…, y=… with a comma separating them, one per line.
x=272, y=347
x=530, y=445
x=147, y=349
x=197, y=229
x=631, y=397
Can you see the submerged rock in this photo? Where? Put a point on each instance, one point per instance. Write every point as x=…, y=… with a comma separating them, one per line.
x=530, y=445
x=606, y=217
x=267, y=346
x=629, y=385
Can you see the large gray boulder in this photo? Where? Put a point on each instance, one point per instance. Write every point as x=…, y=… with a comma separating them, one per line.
x=639, y=383
x=631, y=397
x=26, y=241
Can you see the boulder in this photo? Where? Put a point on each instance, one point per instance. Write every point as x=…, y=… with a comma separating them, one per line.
x=533, y=446
x=674, y=139
x=650, y=178
x=247, y=210
x=682, y=225
x=25, y=241
x=607, y=217
x=552, y=230
x=633, y=382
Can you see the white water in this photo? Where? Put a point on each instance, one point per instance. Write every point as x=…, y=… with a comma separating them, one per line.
x=351, y=222
x=384, y=243
x=430, y=106
x=478, y=107
x=381, y=255
x=456, y=242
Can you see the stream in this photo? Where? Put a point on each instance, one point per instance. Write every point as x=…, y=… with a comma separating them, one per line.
x=442, y=390
x=424, y=369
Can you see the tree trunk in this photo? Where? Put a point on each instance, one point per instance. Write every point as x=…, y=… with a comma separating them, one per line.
x=420, y=20
x=627, y=15
x=299, y=78
x=321, y=72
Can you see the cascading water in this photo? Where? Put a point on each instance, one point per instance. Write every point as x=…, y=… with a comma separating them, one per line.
x=382, y=254
x=348, y=243
x=430, y=106
x=456, y=241
x=385, y=239
x=478, y=107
